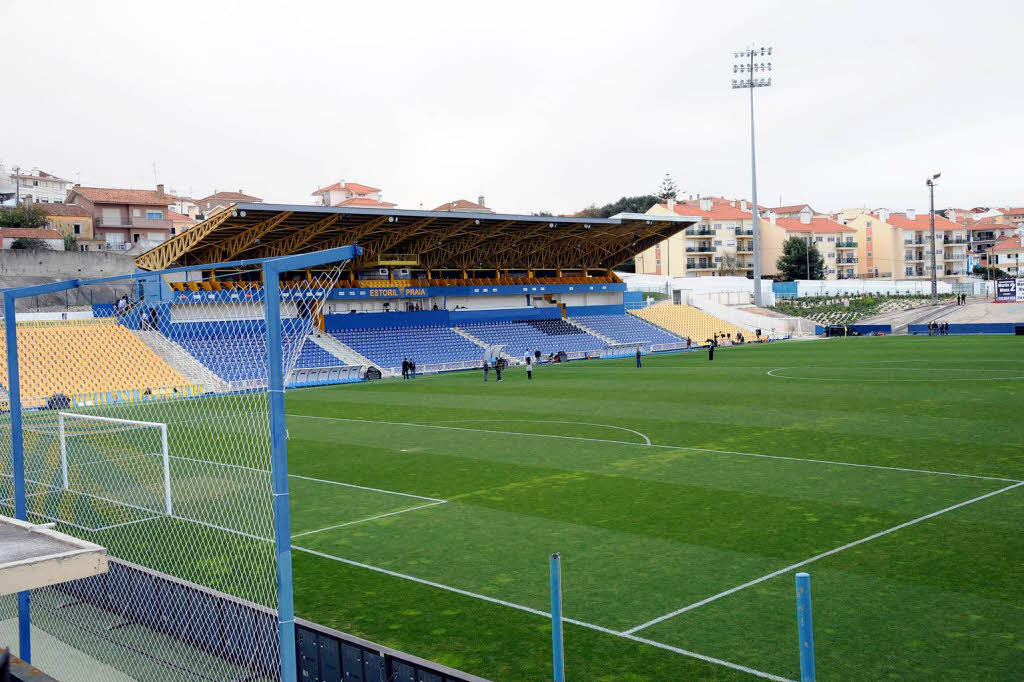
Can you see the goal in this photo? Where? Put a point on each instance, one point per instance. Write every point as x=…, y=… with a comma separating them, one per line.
x=121, y=461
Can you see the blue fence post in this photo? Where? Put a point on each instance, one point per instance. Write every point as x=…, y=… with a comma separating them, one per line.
x=805, y=626
x=556, y=617
x=18, y=464
x=279, y=473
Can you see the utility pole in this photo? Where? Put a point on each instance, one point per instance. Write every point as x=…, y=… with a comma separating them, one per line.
x=17, y=186
x=935, y=283
x=755, y=60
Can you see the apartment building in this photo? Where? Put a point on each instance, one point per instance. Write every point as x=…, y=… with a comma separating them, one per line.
x=20, y=186
x=836, y=242
x=720, y=244
x=125, y=218
x=344, y=193
x=898, y=245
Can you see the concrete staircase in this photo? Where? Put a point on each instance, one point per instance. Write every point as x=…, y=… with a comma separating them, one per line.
x=181, y=360
x=463, y=333
x=930, y=314
x=579, y=325
x=339, y=350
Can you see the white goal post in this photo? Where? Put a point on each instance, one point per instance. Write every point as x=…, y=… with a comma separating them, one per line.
x=116, y=426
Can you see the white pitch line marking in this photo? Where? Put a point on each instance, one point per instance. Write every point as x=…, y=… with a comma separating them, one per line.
x=668, y=447
x=543, y=614
x=898, y=381
x=830, y=552
x=544, y=421
x=371, y=518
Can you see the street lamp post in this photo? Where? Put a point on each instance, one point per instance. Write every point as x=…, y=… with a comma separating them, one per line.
x=931, y=191
x=752, y=69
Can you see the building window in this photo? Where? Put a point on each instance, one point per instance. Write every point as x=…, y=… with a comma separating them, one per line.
x=152, y=214
x=136, y=212
x=869, y=254
x=910, y=272
x=718, y=226
x=172, y=233
x=77, y=228
x=819, y=239
x=136, y=236
x=831, y=255
x=831, y=239
x=868, y=238
x=718, y=259
x=718, y=242
x=868, y=224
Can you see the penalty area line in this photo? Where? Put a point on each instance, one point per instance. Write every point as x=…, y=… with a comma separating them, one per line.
x=545, y=614
x=823, y=555
x=371, y=518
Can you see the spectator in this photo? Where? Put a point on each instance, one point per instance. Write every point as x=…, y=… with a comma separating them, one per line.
x=412, y=368
x=638, y=363
x=529, y=367
x=536, y=355
x=487, y=369
x=405, y=368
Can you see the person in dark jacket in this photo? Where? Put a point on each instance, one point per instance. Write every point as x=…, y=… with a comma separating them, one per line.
x=711, y=348
x=639, y=364
x=405, y=368
x=487, y=369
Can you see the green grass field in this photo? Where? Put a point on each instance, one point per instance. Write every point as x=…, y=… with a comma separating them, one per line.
x=563, y=464
x=683, y=497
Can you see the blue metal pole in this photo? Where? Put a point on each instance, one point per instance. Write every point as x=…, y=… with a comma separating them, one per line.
x=805, y=626
x=556, y=617
x=279, y=473
x=17, y=464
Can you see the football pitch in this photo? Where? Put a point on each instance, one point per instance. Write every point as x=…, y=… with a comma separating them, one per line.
x=683, y=497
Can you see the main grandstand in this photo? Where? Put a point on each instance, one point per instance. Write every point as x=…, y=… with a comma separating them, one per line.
x=438, y=287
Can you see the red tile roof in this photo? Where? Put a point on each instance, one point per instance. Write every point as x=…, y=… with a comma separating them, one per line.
x=795, y=208
x=28, y=233
x=140, y=197
x=365, y=201
x=225, y=198
x=1008, y=244
x=353, y=187
x=70, y=210
x=817, y=225
x=174, y=215
x=461, y=204
x=921, y=221
x=722, y=210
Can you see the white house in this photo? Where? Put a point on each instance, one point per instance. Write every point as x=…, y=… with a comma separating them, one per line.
x=31, y=185
x=52, y=238
x=344, y=193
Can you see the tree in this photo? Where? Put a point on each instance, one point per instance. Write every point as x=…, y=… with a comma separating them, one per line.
x=985, y=272
x=800, y=260
x=668, y=188
x=23, y=216
x=730, y=265
x=70, y=242
x=30, y=244
x=637, y=204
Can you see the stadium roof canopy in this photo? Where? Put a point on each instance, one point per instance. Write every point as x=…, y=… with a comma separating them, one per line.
x=435, y=240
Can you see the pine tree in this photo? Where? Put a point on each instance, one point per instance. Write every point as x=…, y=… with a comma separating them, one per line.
x=668, y=188
x=800, y=260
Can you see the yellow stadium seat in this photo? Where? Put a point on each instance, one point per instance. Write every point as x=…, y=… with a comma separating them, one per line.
x=684, y=320
x=86, y=357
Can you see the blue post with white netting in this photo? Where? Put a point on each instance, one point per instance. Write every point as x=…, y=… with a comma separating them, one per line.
x=805, y=626
x=17, y=464
x=556, y=617
x=272, y=270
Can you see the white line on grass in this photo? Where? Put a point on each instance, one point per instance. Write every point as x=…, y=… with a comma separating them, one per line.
x=543, y=421
x=668, y=447
x=787, y=569
x=543, y=614
x=371, y=518
x=900, y=381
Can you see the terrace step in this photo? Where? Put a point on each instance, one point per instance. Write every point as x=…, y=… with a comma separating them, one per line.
x=339, y=350
x=181, y=361
x=579, y=325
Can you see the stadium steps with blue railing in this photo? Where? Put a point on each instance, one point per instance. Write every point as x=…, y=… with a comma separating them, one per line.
x=579, y=322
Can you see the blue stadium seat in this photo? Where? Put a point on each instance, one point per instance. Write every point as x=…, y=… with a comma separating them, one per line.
x=426, y=344
x=523, y=336
x=627, y=329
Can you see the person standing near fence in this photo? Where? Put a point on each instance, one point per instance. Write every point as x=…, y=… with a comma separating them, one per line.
x=405, y=368
x=711, y=349
x=487, y=369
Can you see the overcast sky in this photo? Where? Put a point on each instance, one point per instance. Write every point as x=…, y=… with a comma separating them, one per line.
x=538, y=105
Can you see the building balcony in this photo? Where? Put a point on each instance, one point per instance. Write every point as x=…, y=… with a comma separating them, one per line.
x=847, y=260
x=748, y=232
x=956, y=256
x=914, y=259
x=958, y=240
x=700, y=249
x=119, y=222
x=846, y=245
x=700, y=266
x=744, y=249
x=702, y=231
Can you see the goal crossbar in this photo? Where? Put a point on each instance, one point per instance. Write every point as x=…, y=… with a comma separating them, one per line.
x=62, y=417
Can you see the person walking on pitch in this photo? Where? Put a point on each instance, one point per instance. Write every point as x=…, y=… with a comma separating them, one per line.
x=639, y=364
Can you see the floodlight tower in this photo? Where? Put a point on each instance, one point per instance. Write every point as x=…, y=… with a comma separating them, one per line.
x=931, y=191
x=751, y=69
